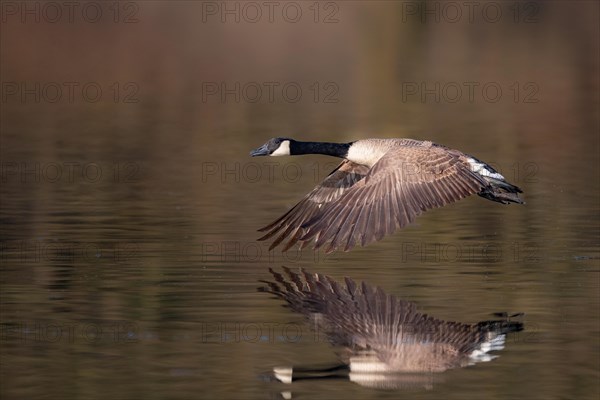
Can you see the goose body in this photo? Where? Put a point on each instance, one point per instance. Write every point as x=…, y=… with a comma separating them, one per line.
x=381, y=185
x=379, y=333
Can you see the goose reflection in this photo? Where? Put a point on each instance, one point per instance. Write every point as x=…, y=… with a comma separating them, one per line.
x=385, y=342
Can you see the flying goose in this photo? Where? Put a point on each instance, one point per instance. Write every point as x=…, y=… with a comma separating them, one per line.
x=379, y=333
x=381, y=184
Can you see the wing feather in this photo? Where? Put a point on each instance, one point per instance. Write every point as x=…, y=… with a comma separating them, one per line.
x=356, y=204
x=334, y=186
x=390, y=197
x=363, y=317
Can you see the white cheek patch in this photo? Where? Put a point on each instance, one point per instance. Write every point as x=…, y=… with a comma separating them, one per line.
x=283, y=149
x=283, y=374
x=483, y=170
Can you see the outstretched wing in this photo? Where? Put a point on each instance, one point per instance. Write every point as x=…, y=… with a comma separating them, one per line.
x=362, y=318
x=348, y=313
x=332, y=188
x=405, y=182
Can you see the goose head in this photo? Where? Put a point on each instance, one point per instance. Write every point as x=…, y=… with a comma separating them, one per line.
x=274, y=147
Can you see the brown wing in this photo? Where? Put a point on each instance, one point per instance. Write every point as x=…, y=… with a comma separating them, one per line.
x=332, y=188
x=405, y=182
x=361, y=317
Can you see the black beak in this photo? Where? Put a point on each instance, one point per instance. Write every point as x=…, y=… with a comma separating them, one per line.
x=261, y=151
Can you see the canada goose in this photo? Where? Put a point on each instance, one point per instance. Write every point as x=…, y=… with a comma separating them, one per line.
x=379, y=333
x=381, y=185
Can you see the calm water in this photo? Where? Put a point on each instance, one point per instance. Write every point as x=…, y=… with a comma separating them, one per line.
x=129, y=260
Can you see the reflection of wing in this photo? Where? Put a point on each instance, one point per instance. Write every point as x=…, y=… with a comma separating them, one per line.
x=405, y=182
x=365, y=320
x=338, y=182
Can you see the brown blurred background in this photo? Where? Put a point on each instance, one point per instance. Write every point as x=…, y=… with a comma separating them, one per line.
x=129, y=203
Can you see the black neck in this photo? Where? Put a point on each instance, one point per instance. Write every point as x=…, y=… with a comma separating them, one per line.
x=330, y=149
x=332, y=372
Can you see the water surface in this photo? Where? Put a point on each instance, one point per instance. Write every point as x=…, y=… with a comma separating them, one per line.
x=129, y=254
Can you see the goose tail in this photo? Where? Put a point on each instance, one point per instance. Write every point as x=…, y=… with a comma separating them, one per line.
x=496, y=188
x=500, y=327
x=501, y=191
x=494, y=334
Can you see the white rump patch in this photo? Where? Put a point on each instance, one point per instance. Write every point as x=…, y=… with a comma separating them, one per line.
x=481, y=354
x=283, y=149
x=482, y=169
